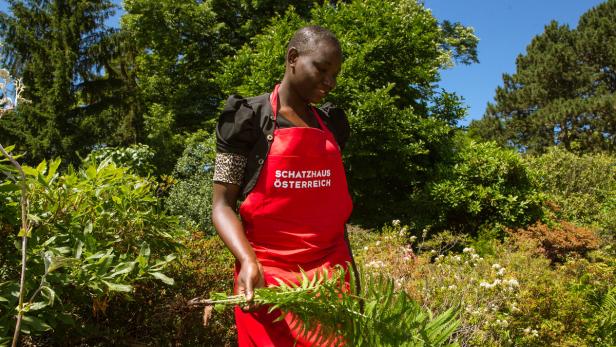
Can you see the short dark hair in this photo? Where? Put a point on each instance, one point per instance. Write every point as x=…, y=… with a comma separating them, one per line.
x=305, y=39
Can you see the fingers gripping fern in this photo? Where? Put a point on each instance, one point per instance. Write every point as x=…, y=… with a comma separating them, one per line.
x=327, y=309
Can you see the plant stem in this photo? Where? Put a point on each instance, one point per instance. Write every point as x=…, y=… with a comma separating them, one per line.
x=24, y=242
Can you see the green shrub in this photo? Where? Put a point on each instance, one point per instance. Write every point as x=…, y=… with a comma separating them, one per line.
x=138, y=158
x=159, y=315
x=191, y=196
x=96, y=234
x=483, y=186
x=583, y=187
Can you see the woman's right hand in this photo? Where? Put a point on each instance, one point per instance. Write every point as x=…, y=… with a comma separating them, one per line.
x=250, y=278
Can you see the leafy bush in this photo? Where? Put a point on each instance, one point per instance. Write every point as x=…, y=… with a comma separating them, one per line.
x=559, y=241
x=190, y=197
x=138, y=158
x=583, y=187
x=482, y=186
x=159, y=315
x=96, y=233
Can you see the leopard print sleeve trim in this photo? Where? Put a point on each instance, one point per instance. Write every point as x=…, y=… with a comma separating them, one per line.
x=230, y=168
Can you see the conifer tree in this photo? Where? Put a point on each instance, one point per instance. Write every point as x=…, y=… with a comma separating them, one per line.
x=563, y=91
x=60, y=48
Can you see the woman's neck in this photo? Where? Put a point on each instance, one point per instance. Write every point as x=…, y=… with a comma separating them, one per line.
x=289, y=98
x=292, y=106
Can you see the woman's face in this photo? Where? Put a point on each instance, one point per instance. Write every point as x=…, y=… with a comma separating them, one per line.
x=313, y=74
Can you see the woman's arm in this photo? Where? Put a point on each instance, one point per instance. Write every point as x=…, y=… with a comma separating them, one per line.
x=232, y=233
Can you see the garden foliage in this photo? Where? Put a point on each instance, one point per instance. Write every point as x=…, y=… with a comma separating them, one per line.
x=582, y=188
x=137, y=158
x=481, y=187
x=96, y=232
x=190, y=198
x=510, y=296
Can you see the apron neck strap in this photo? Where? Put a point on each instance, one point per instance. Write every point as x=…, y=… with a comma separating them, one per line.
x=274, y=103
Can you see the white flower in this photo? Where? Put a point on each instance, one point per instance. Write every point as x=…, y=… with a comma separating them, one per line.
x=527, y=330
x=496, y=282
x=395, y=222
x=376, y=264
x=496, y=266
x=378, y=243
x=503, y=323
x=468, y=250
x=403, y=231
x=485, y=285
x=413, y=238
x=366, y=248
x=457, y=258
x=512, y=282
x=452, y=287
x=474, y=256
x=500, y=271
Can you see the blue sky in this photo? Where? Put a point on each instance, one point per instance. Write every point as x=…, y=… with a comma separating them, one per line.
x=504, y=28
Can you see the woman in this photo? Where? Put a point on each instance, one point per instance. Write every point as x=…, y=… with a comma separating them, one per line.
x=283, y=156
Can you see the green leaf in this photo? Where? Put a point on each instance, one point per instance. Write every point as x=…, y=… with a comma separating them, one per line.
x=163, y=278
x=49, y=241
x=144, y=255
x=78, y=249
x=88, y=228
x=59, y=261
x=35, y=323
x=53, y=168
x=8, y=187
x=116, y=287
x=121, y=269
x=23, y=233
x=49, y=294
x=30, y=171
x=36, y=306
x=42, y=167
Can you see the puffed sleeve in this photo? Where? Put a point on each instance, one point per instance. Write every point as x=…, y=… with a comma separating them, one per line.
x=337, y=122
x=235, y=137
x=237, y=128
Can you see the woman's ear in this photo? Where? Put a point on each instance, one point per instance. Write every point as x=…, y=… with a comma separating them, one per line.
x=292, y=56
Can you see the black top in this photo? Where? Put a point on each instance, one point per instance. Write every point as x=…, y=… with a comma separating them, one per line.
x=244, y=126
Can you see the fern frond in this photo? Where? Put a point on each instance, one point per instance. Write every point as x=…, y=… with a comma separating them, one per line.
x=327, y=309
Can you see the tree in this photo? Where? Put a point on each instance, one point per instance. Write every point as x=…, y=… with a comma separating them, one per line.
x=61, y=49
x=180, y=46
x=393, y=51
x=563, y=90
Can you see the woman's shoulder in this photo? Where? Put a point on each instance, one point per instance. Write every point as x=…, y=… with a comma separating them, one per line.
x=239, y=124
x=237, y=102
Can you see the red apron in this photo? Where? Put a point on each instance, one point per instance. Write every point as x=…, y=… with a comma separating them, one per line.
x=294, y=219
